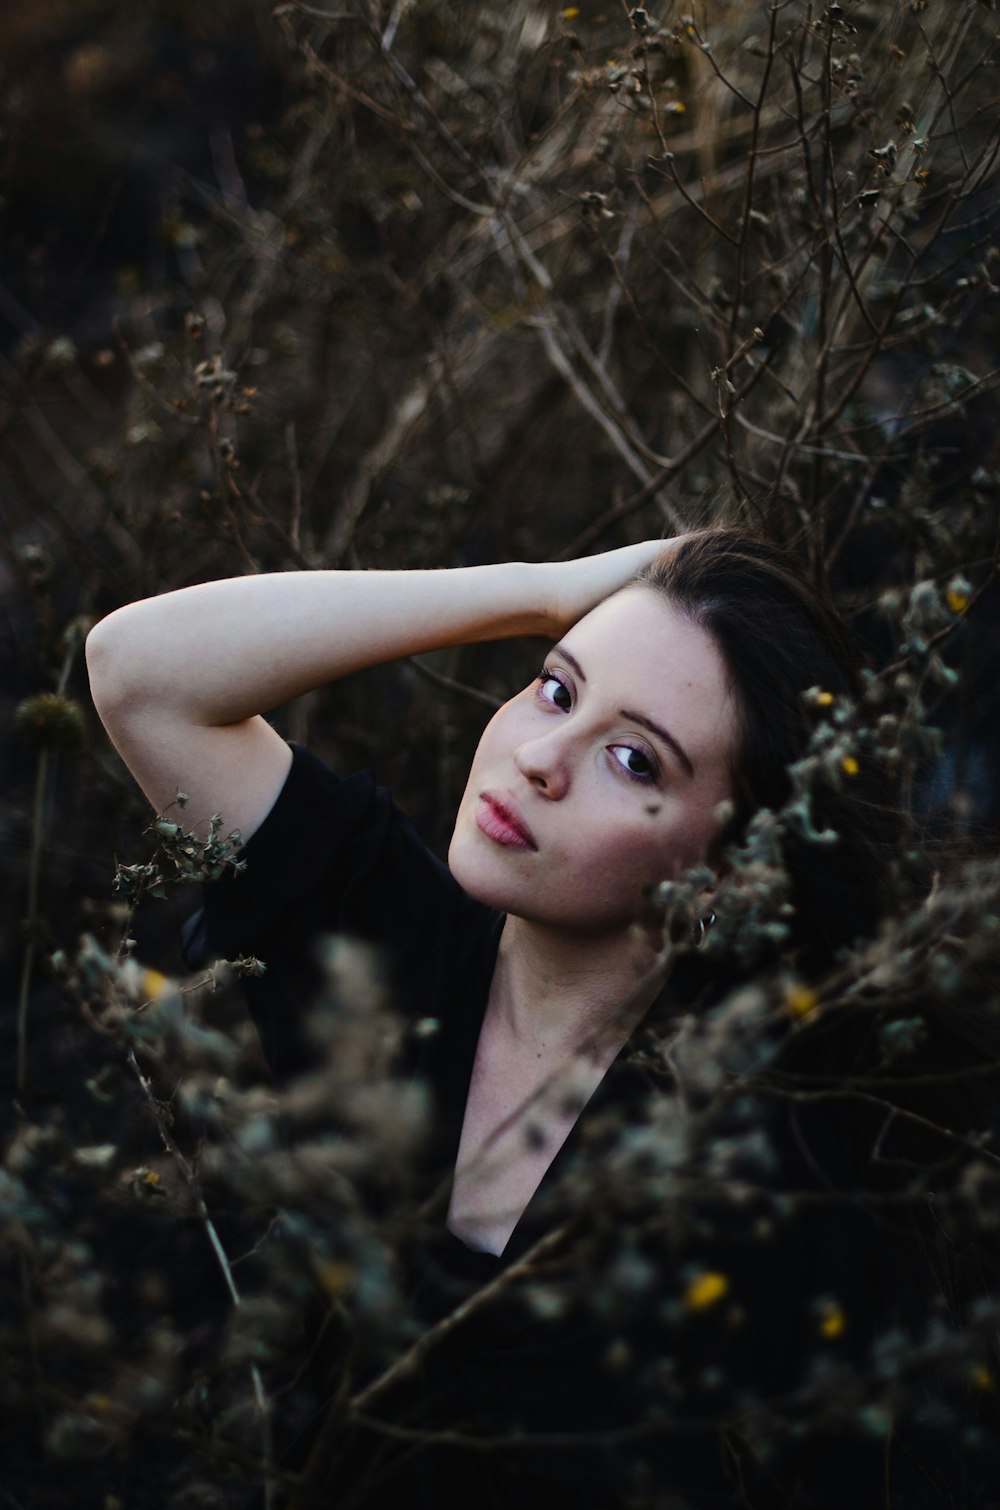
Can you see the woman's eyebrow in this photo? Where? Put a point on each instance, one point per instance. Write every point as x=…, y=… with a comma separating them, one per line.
x=639, y=718
x=668, y=739
x=561, y=650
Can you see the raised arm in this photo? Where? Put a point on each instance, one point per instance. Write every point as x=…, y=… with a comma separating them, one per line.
x=181, y=680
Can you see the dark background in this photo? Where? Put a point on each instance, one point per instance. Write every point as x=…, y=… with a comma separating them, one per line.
x=437, y=284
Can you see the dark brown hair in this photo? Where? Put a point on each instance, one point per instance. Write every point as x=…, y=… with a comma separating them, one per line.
x=779, y=636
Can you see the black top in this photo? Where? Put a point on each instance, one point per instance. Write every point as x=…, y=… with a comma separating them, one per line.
x=567, y=1387
x=334, y=856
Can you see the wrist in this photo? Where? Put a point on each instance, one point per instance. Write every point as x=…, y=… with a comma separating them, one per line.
x=573, y=588
x=557, y=594
x=503, y=600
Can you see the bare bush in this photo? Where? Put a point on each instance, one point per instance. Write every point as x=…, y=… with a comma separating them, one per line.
x=480, y=282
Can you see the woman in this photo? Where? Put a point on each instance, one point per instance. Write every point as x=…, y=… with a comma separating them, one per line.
x=665, y=716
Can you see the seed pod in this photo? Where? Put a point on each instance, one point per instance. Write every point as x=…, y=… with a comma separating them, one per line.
x=51, y=721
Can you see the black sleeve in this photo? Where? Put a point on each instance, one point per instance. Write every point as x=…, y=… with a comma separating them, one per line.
x=334, y=856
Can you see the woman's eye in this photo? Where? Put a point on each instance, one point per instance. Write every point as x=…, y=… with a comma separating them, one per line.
x=635, y=762
x=553, y=691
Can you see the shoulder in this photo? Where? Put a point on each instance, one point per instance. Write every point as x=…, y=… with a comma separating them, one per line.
x=336, y=857
x=333, y=852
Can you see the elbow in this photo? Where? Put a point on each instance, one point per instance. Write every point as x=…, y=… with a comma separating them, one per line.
x=108, y=664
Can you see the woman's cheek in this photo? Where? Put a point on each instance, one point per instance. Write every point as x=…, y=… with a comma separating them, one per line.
x=625, y=861
x=670, y=841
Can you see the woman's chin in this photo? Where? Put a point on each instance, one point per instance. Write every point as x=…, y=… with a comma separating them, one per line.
x=490, y=878
x=478, y=871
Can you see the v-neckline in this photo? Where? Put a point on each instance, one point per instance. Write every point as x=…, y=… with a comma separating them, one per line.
x=530, y=1225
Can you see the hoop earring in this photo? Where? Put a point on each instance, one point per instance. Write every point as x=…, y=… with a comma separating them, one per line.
x=701, y=928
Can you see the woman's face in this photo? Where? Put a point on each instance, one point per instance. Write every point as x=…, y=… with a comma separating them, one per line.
x=604, y=775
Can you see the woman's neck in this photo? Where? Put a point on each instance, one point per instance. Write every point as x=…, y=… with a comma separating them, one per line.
x=561, y=993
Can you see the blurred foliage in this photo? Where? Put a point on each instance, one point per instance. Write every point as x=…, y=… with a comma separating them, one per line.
x=422, y=285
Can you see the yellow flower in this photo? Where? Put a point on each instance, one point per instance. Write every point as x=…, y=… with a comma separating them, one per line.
x=849, y=766
x=151, y=1177
x=570, y=14
x=336, y=1278
x=153, y=985
x=832, y=1321
x=800, y=1000
x=825, y=699
x=982, y=1379
x=958, y=599
x=705, y=1291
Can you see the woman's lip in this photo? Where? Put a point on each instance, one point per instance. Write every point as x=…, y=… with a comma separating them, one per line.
x=500, y=821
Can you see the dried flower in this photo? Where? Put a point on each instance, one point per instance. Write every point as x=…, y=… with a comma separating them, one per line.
x=51, y=721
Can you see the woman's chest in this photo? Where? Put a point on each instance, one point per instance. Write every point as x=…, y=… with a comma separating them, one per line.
x=520, y=1109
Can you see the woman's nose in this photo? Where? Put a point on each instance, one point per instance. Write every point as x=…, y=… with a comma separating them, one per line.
x=544, y=762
